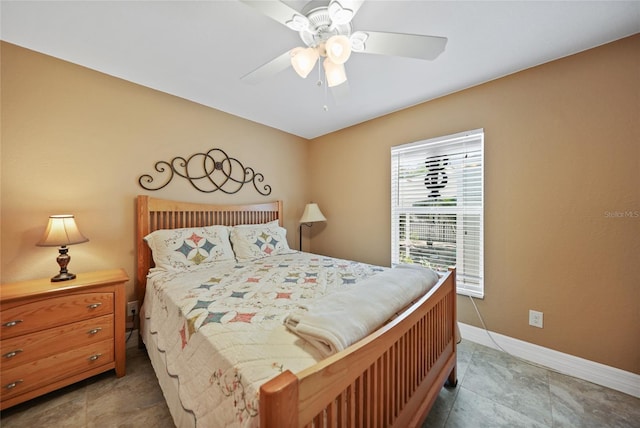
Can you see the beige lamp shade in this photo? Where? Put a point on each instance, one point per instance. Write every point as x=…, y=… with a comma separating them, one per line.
x=61, y=231
x=312, y=214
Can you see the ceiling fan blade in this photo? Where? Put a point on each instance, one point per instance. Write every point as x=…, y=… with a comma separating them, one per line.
x=399, y=44
x=342, y=11
x=269, y=69
x=280, y=12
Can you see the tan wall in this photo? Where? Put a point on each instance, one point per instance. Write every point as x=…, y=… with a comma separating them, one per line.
x=562, y=147
x=75, y=141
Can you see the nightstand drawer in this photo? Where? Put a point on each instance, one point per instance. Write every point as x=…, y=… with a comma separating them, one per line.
x=53, y=312
x=27, y=377
x=34, y=346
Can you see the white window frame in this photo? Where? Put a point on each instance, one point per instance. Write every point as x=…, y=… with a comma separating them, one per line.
x=456, y=159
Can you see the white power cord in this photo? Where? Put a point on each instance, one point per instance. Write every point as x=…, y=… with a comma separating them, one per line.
x=473, y=302
x=504, y=350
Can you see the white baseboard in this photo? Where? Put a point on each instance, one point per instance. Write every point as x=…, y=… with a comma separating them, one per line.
x=597, y=373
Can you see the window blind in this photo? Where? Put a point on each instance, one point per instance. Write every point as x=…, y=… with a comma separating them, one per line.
x=437, y=205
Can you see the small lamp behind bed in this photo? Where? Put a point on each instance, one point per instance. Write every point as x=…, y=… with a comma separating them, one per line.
x=312, y=214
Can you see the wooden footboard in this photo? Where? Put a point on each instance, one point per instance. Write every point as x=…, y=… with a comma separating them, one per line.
x=389, y=379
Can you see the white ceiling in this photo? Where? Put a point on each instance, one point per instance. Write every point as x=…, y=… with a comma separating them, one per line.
x=198, y=50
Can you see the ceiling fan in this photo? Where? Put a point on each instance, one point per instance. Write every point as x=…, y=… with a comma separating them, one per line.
x=327, y=33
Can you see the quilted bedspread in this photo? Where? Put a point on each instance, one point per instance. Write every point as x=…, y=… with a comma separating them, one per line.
x=221, y=328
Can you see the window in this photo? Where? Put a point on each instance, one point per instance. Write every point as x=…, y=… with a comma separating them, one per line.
x=437, y=200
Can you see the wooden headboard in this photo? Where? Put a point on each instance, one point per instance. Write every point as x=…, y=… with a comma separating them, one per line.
x=154, y=214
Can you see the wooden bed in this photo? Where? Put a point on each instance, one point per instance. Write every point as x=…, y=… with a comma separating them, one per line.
x=389, y=379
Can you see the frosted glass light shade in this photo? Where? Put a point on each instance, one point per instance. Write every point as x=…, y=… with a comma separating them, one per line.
x=335, y=73
x=338, y=49
x=312, y=214
x=303, y=60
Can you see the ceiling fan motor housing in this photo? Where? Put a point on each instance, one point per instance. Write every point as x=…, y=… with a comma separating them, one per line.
x=321, y=28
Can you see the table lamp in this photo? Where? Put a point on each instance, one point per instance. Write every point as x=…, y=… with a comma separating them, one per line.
x=62, y=231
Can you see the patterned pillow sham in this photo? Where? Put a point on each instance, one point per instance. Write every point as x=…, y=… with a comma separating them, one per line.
x=182, y=249
x=273, y=223
x=252, y=242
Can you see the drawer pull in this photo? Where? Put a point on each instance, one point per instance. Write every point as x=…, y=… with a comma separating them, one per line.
x=95, y=330
x=13, y=384
x=12, y=323
x=95, y=357
x=12, y=353
x=94, y=305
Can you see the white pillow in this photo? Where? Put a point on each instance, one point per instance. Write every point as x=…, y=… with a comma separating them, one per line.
x=257, y=241
x=182, y=249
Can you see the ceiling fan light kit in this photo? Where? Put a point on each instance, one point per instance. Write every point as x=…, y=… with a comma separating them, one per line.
x=336, y=50
x=325, y=31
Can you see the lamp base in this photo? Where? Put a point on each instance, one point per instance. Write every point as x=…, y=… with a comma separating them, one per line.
x=303, y=224
x=63, y=277
x=63, y=260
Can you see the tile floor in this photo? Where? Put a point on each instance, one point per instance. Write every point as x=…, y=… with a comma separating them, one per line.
x=497, y=390
x=103, y=401
x=494, y=390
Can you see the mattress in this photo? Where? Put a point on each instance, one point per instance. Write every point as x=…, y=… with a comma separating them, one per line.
x=216, y=333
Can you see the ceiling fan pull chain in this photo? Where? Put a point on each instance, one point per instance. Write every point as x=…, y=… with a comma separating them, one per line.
x=320, y=84
x=325, y=107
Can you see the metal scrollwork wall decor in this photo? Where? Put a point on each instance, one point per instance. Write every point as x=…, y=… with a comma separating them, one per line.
x=207, y=172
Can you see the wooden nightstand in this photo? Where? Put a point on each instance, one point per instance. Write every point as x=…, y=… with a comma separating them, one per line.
x=57, y=333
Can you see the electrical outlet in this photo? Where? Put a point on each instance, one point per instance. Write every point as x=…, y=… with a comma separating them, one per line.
x=535, y=318
x=132, y=306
